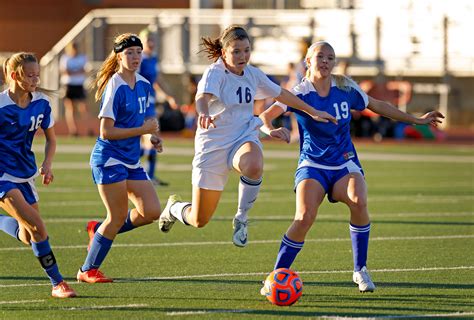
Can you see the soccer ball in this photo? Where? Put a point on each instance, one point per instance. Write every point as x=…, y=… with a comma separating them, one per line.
x=283, y=287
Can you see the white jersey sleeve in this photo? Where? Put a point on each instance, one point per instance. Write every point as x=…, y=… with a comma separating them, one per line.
x=265, y=87
x=211, y=81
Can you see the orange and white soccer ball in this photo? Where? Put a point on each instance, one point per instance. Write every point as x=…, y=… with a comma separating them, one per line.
x=283, y=287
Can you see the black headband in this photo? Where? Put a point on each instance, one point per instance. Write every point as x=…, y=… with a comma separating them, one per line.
x=132, y=41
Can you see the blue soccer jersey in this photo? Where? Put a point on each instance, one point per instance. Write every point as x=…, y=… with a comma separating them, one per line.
x=328, y=144
x=128, y=108
x=17, y=130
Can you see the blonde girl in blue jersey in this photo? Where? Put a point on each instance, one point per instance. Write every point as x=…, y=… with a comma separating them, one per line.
x=227, y=136
x=125, y=115
x=328, y=162
x=24, y=109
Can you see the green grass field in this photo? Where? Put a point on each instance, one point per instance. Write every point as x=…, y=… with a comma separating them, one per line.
x=421, y=199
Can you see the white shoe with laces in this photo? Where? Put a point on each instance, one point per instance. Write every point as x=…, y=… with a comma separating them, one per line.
x=363, y=280
x=239, y=238
x=166, y=218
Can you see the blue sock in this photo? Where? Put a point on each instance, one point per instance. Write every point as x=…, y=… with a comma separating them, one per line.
x=42, y=251
x=288, y=251
x=360, y=245
x=151, y=163
x=127, y=225
x=97, y=253
x=9, y=225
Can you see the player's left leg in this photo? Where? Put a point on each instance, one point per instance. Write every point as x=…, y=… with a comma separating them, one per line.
x=31, y=228
x=248, y=161
x=114, y=196
x=352, y=190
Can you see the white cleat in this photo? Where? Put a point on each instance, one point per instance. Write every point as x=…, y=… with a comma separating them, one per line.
x=167, y=220
x=363, y=280
x=240, y=233
x=265, y=290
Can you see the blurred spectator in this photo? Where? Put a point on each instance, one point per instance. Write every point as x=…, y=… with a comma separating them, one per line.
x=72, y=66
x=149, y=69
x=189, y=110
x=369, y=124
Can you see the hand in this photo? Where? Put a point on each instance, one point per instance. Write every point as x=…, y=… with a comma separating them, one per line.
x=323, y=116
x=150, y=126
x=157, y=143
x=432, y=117
x=281, y=133
x=206, y=121
x=46, y=173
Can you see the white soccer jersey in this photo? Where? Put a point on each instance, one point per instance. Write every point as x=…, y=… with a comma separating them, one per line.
x=232, y=104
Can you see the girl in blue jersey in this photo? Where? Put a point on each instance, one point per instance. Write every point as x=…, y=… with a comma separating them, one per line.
x=328, y=162
x=227, y=137
x=23, y=110
x=149, y=70
x=125, y=115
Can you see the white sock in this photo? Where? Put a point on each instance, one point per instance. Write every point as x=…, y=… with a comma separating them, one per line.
x=248, y=191
x=177, y=210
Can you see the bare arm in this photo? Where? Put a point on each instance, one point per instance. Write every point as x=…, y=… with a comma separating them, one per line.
x=46, y=170
x=290, y=99
x=110, y=132
x=205, y=121
x=267, y=117
x=388, y=110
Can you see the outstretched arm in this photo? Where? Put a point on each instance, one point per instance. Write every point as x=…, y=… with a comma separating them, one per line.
x=267, y=117
x=46, y=170
x=290, y=99
x=388, y=110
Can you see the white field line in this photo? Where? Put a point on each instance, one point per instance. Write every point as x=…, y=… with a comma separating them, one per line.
x=268, y=198
x=251, y=274
x=413, y=316
x=21, y=301
x=282, y=154
x=213, y=243
x=375, y=217
x=125, y=306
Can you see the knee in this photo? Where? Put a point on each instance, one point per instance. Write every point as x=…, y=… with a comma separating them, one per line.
x=253, y=171
x=358, y=204
x=152, y=215
x=304, y=220
x=34, y=233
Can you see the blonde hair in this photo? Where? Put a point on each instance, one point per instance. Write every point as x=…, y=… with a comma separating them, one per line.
x=16, y=63
x=108, y=67
x=213, y=47
x=342, y=81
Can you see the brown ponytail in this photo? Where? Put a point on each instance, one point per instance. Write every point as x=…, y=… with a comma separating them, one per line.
x=213, y=47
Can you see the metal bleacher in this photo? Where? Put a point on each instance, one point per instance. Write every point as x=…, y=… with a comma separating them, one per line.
x=370, y=40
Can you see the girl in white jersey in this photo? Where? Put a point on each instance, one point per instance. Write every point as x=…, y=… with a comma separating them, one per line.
x=125, y=115
x=328, y=161
x=23, y=110
x=227, y=136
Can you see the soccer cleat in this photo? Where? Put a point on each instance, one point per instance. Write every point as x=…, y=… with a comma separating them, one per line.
x=240, y=233
x=265, y=290
x=363, y=280
x=90, y=232
x=63, y=290
x=92, y=276
x=166, y=218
